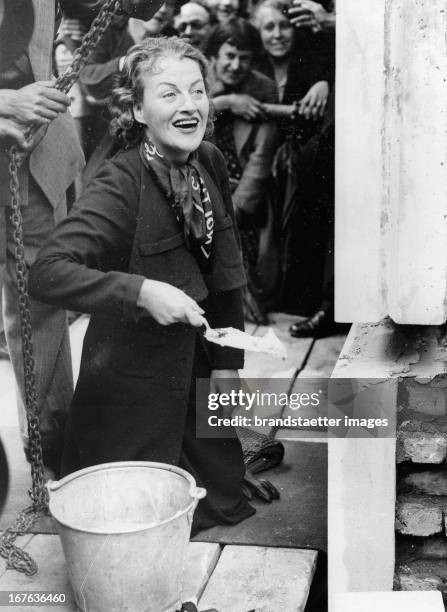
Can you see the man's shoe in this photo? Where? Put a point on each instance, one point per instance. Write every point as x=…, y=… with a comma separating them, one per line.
x=317, y=326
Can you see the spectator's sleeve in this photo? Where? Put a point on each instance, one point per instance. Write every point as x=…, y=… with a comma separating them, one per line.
x=251, y=190
x=98, y=77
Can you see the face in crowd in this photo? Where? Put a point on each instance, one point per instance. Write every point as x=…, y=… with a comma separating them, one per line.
x=174, y=107
x=232, y=64
x=193, y=24
x=225, y=9
x=277, y=33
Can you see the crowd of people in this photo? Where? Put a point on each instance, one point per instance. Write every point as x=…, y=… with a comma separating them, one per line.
x=216, y=121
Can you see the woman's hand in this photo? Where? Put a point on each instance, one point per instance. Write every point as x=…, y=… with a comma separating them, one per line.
x=314, y=102
x=167, y=304
x=225, y=381
x=306, y=13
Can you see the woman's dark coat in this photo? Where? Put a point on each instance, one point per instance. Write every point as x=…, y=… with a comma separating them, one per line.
x=134, y=397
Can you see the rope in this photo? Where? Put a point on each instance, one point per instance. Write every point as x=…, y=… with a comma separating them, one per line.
x=17, y=558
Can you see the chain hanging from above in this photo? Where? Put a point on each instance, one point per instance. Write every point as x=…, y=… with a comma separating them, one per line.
x=17, y=558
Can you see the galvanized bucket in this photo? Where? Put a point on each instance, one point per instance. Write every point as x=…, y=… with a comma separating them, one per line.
x=124, y=529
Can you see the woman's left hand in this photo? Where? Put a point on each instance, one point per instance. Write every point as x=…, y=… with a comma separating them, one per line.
x=314, y=102
x=225, y=381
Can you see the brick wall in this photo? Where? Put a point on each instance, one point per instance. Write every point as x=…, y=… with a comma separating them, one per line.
x=421, y=506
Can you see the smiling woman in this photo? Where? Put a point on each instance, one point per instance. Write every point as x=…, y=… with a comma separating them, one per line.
x=150, y=251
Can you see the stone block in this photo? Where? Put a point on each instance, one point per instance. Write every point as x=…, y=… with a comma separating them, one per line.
x=258, y=578
x=409, y=548
x=434, y=548
x=420, y=515
x=425, y=398
x=422, y=575
x=421, y=447
x=429, y=482
x=413, y=582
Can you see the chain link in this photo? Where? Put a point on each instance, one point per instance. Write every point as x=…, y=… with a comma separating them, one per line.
x=17, y=558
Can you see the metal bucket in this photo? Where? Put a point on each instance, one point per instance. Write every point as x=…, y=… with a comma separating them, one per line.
x=124, y=529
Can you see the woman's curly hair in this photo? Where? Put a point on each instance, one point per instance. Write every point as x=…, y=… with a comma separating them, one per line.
x=142, y=59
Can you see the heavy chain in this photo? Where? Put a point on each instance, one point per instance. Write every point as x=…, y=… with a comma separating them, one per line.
x=17, y=558
x=89, y=42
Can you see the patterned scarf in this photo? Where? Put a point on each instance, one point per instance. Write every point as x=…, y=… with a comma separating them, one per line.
x=188, y=196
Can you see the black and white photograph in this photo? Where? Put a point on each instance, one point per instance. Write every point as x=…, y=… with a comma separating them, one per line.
x=223, y=355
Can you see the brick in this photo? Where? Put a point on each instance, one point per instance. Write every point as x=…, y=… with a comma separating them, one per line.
x=421, y=447
x=431, y=548
x=420, y=515
x=422, y=575
x=434, y=548
x=425, y=398
x=417, y=421
x=412, y=582
x=431, y=483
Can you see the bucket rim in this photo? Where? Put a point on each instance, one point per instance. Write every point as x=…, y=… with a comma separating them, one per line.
x=195, y=492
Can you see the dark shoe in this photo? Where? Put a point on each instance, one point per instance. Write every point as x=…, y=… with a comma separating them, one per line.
x=317, y=326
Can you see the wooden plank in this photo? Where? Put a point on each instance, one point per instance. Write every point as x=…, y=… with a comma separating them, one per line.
x=46, y=550
x=413, y=601
x=261, y=579
x=200, y=563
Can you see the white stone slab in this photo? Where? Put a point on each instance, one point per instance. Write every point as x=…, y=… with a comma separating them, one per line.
x=391, y=204
x=261, y=579
x=415, y=601
x=361, y=477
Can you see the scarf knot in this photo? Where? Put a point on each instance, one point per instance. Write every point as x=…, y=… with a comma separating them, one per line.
x=189, y=198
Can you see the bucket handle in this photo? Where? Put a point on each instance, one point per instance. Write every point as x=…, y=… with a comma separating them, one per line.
x=197, y=492
x=53, y=485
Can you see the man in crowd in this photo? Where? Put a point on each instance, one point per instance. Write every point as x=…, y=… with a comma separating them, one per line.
x=194, y=23
x=28, y=99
